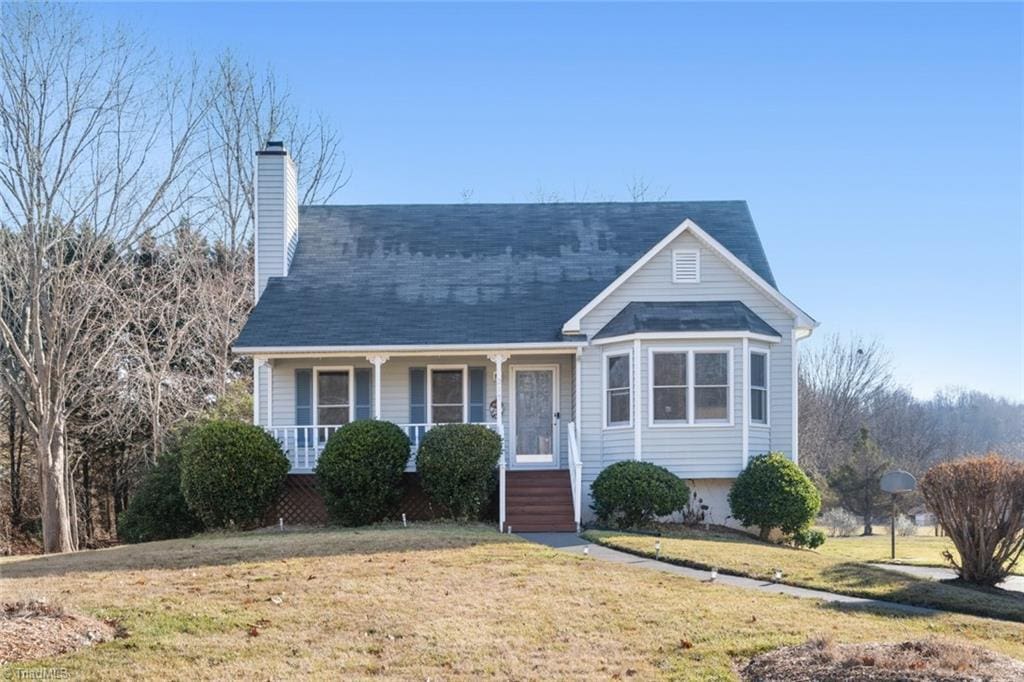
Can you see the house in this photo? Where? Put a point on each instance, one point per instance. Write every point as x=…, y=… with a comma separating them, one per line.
x=583, y=333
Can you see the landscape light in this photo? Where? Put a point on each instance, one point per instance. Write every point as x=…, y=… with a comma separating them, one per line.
x=777, y=575
x=657, y=549
x=714, y=573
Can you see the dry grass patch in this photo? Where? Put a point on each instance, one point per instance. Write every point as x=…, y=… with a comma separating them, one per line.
x=37, y=629
x=822, y=660
x=437, y=601
x=738, y=554
x=923, y=549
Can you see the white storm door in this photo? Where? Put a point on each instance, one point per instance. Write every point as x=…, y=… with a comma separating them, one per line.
x=535, y=415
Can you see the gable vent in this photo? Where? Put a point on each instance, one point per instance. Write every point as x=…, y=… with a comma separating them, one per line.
x=685, y=267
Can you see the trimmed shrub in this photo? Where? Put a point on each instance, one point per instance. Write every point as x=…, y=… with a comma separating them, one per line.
x=456, y=465
x=840, y=523
x=811, y=538
x=231, y=473
x=773, y=492
x=158, y=510
x=360, y=471
x=979, y=501
x=632, y=494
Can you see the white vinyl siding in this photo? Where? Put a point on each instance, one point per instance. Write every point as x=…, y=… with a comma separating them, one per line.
x=709, y=451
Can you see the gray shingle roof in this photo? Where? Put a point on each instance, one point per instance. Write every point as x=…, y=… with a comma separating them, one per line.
x=688, y=316
x=468, y=273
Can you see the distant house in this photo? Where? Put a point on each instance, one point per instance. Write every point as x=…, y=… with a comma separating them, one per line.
x=583, y=333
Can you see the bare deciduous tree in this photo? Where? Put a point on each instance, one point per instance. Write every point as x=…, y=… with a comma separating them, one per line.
x=96, y=147
x=247, y=109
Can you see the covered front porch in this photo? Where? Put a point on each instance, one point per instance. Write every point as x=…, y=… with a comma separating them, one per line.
x=529, y=397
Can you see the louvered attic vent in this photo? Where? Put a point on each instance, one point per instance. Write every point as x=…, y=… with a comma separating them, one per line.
x=685, y=267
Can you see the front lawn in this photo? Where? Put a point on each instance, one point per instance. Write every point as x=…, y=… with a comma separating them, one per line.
x=824, y=570
x=431, y=601
x=916, y=550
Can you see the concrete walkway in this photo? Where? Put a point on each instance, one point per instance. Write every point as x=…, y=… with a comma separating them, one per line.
x=573, y=544
x=1014, y=583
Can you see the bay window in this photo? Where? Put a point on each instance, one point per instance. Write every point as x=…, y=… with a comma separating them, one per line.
x=669, y=387
x=617, y=381
x=690, y=387
x=758, y=387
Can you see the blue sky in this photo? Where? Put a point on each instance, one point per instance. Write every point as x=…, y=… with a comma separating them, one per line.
x=879, y=146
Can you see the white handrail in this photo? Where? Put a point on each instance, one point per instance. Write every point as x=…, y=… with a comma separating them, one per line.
x=575, y=474
x=303, y=444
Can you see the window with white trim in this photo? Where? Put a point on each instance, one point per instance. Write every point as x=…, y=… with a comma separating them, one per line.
x=669, y=387
x=686, y=266
x=710, y=387
x=447, y=396
x=333, y=398
x=758, y=388
x=618, y=402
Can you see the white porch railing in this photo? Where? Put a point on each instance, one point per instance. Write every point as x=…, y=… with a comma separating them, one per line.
x=575, y=474
x=303, y=444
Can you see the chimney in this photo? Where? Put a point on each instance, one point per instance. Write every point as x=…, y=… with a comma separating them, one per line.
x=277, y=213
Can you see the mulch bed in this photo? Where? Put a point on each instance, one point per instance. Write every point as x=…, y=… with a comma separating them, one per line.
x=36, y=629
x=917, y=661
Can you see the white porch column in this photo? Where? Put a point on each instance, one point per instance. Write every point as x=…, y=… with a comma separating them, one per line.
x=499, y=360
x=377, y=361
x=270, y=392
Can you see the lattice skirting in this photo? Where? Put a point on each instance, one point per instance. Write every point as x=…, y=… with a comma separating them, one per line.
x=302, y=504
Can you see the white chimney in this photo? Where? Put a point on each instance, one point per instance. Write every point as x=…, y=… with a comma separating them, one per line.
x=277, y=213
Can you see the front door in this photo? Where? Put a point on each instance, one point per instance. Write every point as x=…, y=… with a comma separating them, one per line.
x=535, y=416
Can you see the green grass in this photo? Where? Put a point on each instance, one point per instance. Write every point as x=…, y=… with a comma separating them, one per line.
x=431, y=601
x=834, y=572
x=924, y=549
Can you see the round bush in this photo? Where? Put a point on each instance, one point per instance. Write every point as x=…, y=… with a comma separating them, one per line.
x=157, y=510
x=456, y=465
x=773, y=492
x=632, y=494
x=811, y=538
x=360, y=471
x=231, y=473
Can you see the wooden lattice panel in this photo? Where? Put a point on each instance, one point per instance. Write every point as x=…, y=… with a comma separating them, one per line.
x=302, y=504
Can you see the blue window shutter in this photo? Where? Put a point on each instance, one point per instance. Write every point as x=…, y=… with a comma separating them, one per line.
x=477, y=382
x=417, y=395
x=303, y=401
x=364, y=406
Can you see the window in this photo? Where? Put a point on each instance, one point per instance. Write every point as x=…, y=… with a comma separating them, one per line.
x=689, y=387
x=333, y=398
x=759, y=388
x=669, y=387
x=685, y=267
x=711, y=387
x=447, y=396
x=617, y=390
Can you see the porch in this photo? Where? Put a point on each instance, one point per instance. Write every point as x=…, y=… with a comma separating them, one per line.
x=529, y=398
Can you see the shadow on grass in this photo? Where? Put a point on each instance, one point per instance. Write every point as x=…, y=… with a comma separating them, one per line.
x=954, y=596
x=223, y=549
